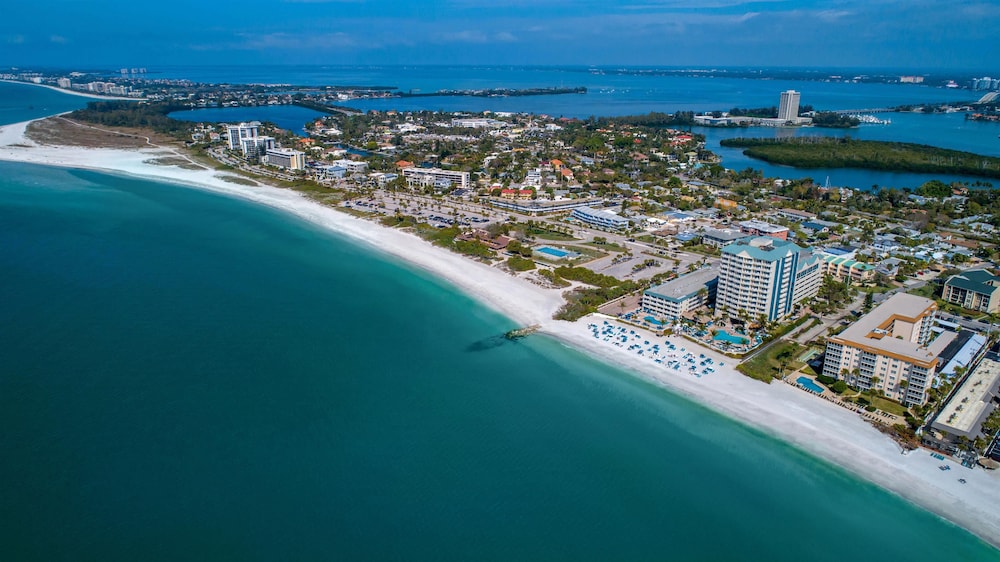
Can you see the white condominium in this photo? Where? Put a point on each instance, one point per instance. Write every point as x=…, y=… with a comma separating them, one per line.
x=436, y=177
x=286, y=158
x=890, y=349
x=237, y=133
x=766, y=277
x=788, y=108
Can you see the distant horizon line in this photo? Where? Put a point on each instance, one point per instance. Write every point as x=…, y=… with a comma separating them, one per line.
x=114, y=67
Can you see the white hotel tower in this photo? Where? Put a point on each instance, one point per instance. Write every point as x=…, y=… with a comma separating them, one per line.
x=788, y=109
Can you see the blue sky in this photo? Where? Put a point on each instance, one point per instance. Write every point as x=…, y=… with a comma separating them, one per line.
x=920, y=34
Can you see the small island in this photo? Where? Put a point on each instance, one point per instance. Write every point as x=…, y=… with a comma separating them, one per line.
x=826, y=152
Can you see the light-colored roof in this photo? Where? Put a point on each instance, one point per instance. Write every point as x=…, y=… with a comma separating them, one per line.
x=873, y=331
x=685, y=286
x=964, y=413
x=763, y=248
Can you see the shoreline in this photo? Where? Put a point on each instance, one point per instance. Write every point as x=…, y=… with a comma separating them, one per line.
x=72, y=92
x=805, y=421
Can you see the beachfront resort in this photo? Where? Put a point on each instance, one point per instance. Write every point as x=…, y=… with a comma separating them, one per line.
x=851, y=295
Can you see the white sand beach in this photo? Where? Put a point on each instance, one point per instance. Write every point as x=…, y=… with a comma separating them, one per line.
x=72, y=92
x=807, y=421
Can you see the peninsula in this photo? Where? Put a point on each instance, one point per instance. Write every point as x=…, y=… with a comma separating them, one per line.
x=826, y=152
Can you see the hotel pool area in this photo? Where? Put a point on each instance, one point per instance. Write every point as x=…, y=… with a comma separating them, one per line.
x=555, y=252
x=725, y=336
x=808, y=384
x=654, y=321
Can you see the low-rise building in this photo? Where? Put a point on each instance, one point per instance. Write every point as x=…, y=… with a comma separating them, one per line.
x=761, y=228
x=972, y=402
x=600, y=218
x=975, y=290
x=721, y=237
x=890, y=349
x=795, y=215
x=679, y=296
x=846, y=270
x=430, y=176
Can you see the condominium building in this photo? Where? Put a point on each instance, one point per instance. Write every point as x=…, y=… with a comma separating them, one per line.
x=765, y=277
x=846, y=270
x=677, y=297
x=721, y=237
x=286, y=158
x=890, y=349
x=974, y=290
x=237, y=133
x=436, y=177
x=761, y=228
x=600, y=218
x=352, y=166
x=788, y=107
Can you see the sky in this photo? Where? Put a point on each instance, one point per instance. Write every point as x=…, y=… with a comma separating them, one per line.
x=918, y=34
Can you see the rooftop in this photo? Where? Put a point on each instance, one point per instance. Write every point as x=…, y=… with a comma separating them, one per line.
x=724, y=234
x=763, y=226
x=763, y=248
x=849, y=263
x=684, y=286
x=965, y=412
x=977, y=280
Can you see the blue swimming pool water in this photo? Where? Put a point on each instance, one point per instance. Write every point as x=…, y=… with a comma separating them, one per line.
x=723, y=335
x=653, y=321
x=809, y=384
x=553, y=252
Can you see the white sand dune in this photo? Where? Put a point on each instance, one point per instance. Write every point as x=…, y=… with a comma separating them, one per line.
x=809, y=422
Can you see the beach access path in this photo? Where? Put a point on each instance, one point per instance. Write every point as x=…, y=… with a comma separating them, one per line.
x=804, y=420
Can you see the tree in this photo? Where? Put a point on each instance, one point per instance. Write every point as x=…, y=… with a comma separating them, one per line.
x=869, y=300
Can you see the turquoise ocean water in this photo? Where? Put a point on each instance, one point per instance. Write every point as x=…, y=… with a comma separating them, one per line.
x=189, y=376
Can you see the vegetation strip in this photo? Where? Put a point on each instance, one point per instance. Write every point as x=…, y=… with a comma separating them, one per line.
x=826, y=152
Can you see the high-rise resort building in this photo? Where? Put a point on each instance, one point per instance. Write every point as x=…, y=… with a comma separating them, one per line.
x=890, y=349
x=766, y=277
x=286, y=158
x=246, y=137
x=242, y=131
x=788, y=108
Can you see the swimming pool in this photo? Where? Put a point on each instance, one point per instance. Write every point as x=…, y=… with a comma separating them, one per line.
x=725, y=336
x=555, y=252
x=654, y=321
x=809, y=384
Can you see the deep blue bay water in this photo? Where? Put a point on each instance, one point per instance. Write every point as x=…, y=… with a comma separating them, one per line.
x=611, y=94
x=190, y=376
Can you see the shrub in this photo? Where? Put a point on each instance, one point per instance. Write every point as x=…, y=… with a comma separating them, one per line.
x=517, y=263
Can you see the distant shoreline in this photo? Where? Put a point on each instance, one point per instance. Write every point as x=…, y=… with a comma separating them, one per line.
x=72, y=92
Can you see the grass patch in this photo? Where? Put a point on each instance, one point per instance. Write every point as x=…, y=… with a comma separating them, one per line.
x=767, y=365
x=927, y=291
x=881, y=403
x=238, y=180
x=549, y=235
